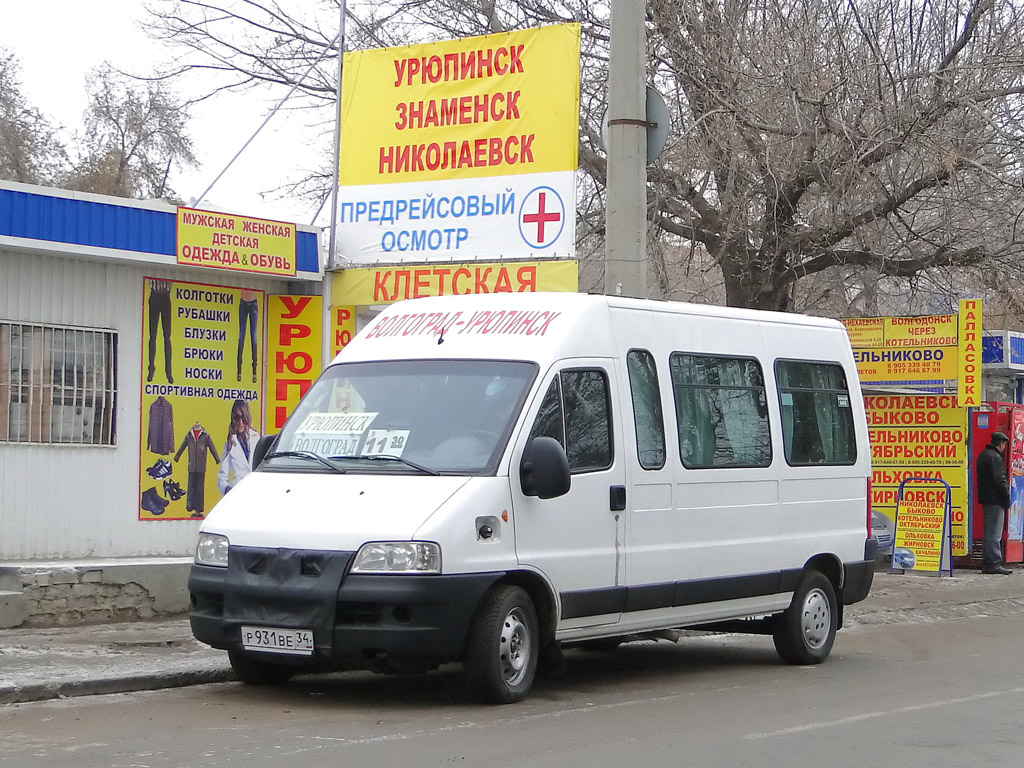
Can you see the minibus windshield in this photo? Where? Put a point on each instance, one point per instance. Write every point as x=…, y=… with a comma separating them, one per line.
x=405, y=417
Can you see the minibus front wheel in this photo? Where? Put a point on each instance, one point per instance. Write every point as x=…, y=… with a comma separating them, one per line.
x=805, y=631
x=500, y=659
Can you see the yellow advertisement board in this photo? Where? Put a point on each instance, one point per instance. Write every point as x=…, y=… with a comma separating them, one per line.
x=920, y=528
x=921, y=349
x=920, y=331
x=386, y=285
x=343, y=327
x=236, y=243
x=906, y=366
x=201, y=394
x=294, y=353
x=495, y=105
x=913, y=331
x=904, y=350
x=919, y=436
x=865, y=331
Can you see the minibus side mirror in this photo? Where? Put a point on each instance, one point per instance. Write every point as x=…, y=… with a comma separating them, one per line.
x=544, y=470
x=263, y=446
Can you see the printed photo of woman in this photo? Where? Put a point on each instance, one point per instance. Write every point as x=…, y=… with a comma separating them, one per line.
x=237, y=455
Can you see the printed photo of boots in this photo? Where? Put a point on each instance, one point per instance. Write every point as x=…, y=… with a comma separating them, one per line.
x=153, y=502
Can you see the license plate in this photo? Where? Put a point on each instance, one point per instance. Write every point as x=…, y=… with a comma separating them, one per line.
x=275, y=640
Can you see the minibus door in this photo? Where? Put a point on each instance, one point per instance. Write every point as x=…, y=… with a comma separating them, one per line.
x=574, y=540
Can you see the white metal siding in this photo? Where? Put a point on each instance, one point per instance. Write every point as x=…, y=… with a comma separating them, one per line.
x=82, y=501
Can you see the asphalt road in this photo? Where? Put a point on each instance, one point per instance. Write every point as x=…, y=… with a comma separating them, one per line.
x=941, y=692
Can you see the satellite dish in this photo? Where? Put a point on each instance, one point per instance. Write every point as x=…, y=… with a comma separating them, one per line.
x=656, y=123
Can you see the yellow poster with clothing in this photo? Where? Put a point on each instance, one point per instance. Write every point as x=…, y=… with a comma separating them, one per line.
x=201, y=398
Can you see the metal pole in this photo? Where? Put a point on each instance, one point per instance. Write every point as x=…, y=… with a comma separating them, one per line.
x=331, y=259
x=626, y=213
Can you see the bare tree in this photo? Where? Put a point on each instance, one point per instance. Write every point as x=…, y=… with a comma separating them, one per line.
x=820, y=150
x=30, y=150
x=134, y=136
x=878, y=134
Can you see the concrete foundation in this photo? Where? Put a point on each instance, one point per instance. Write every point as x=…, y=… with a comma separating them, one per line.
x=61, y=593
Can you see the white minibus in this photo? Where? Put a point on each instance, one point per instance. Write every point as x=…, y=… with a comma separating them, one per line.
x=486, y=478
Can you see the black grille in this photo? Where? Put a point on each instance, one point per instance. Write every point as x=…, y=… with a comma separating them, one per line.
x=358, y=613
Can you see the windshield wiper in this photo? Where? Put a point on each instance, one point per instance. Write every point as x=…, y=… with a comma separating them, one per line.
x=306, y=455
x=390, y=457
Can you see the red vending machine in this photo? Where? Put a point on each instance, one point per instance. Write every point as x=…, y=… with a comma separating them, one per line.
x=1008, y=418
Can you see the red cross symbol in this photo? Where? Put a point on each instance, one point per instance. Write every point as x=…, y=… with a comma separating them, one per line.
x=541, y=217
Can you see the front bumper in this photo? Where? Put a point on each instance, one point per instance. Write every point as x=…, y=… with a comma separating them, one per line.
x=356, y=619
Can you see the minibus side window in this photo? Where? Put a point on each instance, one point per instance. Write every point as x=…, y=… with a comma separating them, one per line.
x=817, y=419
x=650, y=426
x=549, y=418
x=576, y=411
x=721, y=411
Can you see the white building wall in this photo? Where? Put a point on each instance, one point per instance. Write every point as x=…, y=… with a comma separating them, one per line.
x=82, y=501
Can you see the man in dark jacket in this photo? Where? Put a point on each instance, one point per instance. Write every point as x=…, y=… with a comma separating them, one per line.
x=994, y=497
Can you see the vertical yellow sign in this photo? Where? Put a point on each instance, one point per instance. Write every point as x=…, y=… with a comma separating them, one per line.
x=969, y=381
x=343, y=327
x=294, y=359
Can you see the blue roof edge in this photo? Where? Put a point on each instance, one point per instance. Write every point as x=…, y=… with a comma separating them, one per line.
x=97, y=221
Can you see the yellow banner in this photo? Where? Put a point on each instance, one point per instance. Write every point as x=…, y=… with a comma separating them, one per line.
x=920, y=523
x=294, y=352
x=919, y=436
x=343, y=327
x=969, y=381
x=385, y=285
x=201, y=358
x=865, y=331
x=495, y=105
x=922, y=331
x=237, y=243
x=906, y=365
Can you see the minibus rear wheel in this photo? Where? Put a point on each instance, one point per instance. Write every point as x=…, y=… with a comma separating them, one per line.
x=804, y=633
x=500, y=659
x=254, y=672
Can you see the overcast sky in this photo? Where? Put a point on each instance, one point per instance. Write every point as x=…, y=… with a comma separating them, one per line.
x=58, y=41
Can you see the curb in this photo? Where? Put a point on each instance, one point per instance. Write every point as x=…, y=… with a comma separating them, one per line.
x=20, y=694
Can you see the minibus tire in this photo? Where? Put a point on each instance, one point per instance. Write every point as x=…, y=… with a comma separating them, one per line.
x=500, y=660
x=805, y=631
x=254, y=672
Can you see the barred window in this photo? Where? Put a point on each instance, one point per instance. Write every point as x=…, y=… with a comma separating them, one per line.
x=57, y=384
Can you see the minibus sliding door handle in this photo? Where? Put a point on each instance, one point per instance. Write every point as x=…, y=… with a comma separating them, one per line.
x=617, y=498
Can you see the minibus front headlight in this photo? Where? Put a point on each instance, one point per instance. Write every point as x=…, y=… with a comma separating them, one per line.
x=398, y=557
x=212, y=549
